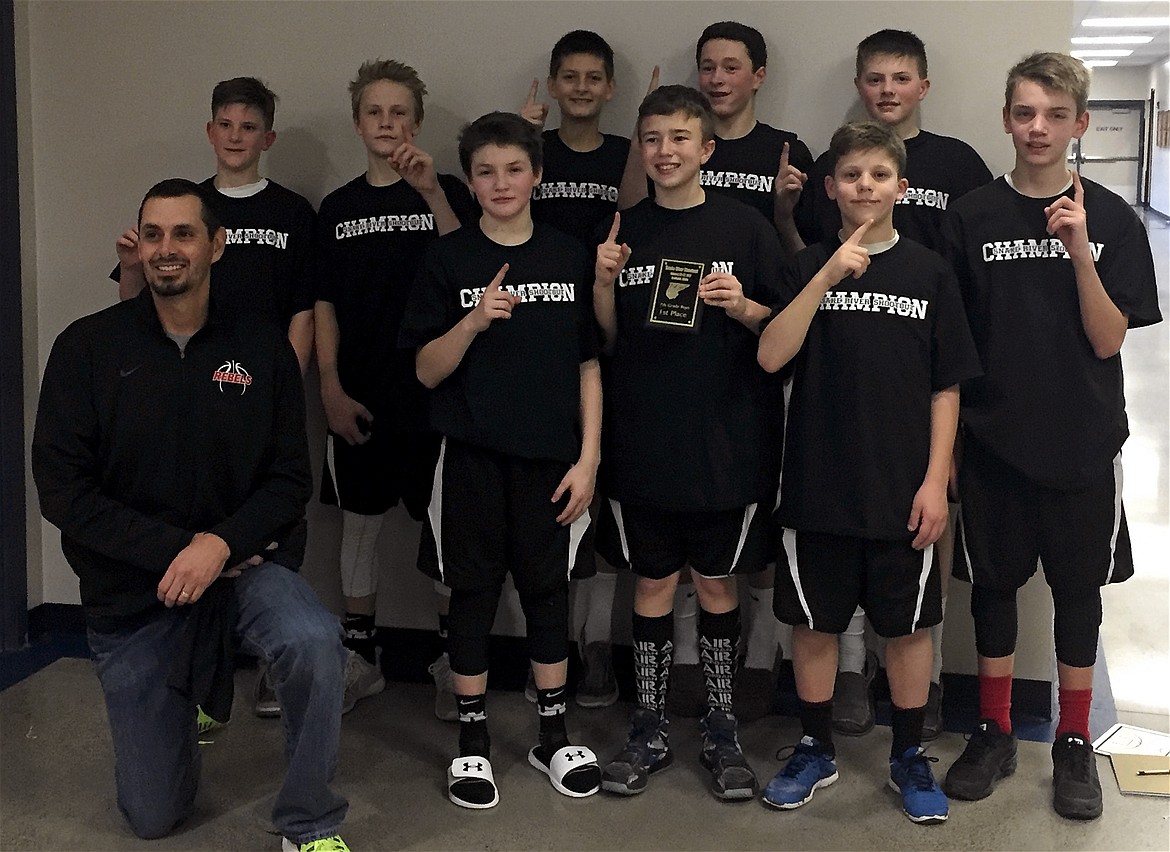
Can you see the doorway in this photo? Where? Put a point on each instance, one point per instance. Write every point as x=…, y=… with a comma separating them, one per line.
x=1112, y=151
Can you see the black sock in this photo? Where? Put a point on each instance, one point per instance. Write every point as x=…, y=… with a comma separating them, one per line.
x=361, y=636
x=550, y=704
x=816, y=720
x=718, y=636
x=473, y=730
x=907, y=725
x=653, y=649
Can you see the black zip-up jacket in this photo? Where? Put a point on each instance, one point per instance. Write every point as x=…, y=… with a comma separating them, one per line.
x=138, y=446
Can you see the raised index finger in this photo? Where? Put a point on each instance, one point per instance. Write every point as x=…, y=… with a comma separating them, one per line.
x=855, y=237
x=784, y=158
x=532, y=90
x=613, y=231
x=653, y=80
x=499, y=279
x=1078, y=189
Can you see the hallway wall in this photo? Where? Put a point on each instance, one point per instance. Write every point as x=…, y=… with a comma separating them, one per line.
x=115, y=96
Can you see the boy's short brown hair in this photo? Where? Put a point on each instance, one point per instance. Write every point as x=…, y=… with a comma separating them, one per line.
x=868, y=136
x=502, y=129
x=1057, y=72
x=395, y=72
x=900, y=43
x=247, y=91
x=667, y=100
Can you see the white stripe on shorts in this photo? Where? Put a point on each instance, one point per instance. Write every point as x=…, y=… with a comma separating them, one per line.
x=1117, y=482
x=621, y=528
x=577, y=532
x=435, y=510
x=749, y=512
x=790, y=550
x=329, y=463
x=923, y=575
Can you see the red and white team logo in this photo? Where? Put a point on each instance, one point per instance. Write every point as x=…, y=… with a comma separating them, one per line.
x=233, y=374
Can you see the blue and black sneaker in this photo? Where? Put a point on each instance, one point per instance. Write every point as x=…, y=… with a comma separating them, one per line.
x=646, y=752
x=807, y=770
x=923, y=801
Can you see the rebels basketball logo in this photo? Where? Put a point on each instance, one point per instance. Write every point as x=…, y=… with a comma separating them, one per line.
x=232, y=373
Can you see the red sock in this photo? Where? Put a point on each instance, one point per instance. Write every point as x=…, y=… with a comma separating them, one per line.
x=1074, y=712
x=995, y=700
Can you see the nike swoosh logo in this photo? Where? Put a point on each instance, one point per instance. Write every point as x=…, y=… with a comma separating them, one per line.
x=125, y=372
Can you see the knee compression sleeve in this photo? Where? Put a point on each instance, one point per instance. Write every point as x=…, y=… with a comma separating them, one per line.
x=1077, y=624
x=994, y=612
x=546, y=615
x=359, y=554
x=468, y=624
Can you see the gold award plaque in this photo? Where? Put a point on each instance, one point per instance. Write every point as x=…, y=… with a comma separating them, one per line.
x=675, y=304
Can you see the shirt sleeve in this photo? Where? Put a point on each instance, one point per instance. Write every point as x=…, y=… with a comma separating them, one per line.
x=427, y=314
x=1127, y=271
x=587, y=331
x=302, y=285
x=766, y=288
x=953, y=358
x=324, y=262
x=68, y=475
x=463, y=203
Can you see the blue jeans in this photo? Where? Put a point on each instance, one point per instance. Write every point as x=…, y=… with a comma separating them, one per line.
x=156, y=749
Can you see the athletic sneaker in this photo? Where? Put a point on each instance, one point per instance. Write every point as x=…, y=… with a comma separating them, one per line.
x=807, y=771
x=325, y=844
x=732, y=778
x=445, y=708
x=990, y=755
x=646, y=752
x=362, y=680
x=932, y=723
x=266, y=704
x=204, y=724
x=853, y=704
x=598, y=686
x=1076, y=789
x=922, y=799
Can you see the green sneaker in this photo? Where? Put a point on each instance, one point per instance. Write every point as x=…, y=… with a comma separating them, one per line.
x=325, y=844
x=205, y=723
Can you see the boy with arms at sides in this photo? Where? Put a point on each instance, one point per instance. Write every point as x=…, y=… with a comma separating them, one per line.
x=892, y=83
x=267, y=265
x=501, y=322
x=578, y=190
x=1054, y=270
x=690, y=461
x=872, y=421
x=373, y=234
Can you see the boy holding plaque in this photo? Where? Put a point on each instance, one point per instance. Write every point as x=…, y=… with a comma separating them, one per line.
x=691, y=446
x=873, y=414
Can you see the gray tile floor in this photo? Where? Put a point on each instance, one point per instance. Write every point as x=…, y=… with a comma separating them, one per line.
x=57, y=787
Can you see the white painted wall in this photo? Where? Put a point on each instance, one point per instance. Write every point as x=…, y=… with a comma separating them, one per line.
x=1159, y=81
x=115, y=96
x=1120, y=83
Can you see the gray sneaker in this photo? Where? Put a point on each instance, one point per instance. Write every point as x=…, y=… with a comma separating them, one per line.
x=362, y=680
x=598, y=686
x=853, y=704
x=267, y=705
x=445, y=708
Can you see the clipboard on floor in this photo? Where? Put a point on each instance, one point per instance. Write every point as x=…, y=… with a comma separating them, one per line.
x=1142, y=774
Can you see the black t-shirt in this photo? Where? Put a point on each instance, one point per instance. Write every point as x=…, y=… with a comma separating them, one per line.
x=939, y=169
x=371, y=243
x=518, y=388
x=579, y=190
x=266, y=269
x=745, y=169
x=1046, y=404
x=692, y=422
x=859, y=415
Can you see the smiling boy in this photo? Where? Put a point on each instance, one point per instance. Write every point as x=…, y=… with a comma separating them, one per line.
x=1054, y=270
x=871, y=424
x=501, y=325
x=690, y=460
x=267, y=266
x=373, y=234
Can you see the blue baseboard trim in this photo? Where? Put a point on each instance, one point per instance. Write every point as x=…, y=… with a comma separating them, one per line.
x=54, y=631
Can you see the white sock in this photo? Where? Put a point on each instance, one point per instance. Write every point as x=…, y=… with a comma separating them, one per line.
x=599, y=617
x=936, y=636
x=359, y=554
x=851, y=645
x=761, y=637
x=686, y=626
